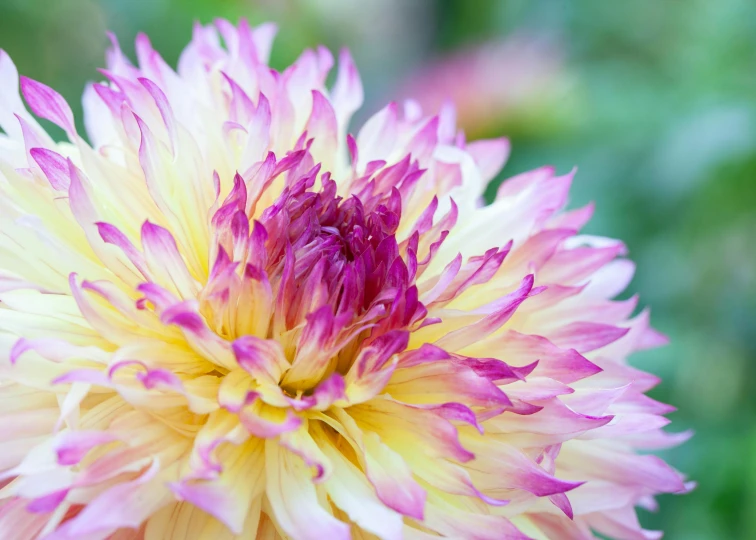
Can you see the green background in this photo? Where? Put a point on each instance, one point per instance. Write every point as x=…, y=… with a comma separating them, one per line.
x=653, y=100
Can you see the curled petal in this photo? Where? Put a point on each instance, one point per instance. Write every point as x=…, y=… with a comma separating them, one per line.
x=388, y=472
x=294, y=500
x=75, y=444
x=268, y=422
x=235, y=493
x=264, y=359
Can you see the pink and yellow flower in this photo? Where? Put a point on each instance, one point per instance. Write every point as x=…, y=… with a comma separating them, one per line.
x=225, y=317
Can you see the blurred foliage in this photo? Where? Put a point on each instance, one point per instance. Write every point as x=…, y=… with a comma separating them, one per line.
x=655, y=102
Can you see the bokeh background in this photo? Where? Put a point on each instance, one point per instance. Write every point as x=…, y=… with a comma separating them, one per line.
x=654, y=101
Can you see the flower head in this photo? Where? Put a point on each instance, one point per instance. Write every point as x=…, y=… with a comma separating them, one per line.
x=226, y=317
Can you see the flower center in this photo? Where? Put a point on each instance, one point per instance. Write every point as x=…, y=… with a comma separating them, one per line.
x=322, y=276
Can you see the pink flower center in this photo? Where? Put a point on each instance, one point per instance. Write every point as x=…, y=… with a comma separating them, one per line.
x=325, y=273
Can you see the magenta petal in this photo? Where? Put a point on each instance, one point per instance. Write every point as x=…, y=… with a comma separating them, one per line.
x=112, y=235
x=266, y=429
x=160, y=377
x=460, y=413
x=54, y=166
x=328, y=392
x=47, y=103
x=214, y=499
x=89, y=376
x=75, y=445
x=47, y=503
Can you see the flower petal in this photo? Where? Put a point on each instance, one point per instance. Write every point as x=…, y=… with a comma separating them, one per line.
x=294, y=499
x=50, y=105
x=236, y=492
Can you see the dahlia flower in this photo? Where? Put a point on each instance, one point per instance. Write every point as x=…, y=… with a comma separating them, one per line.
x=225, y=317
